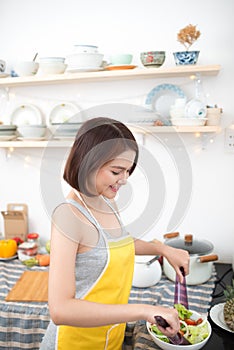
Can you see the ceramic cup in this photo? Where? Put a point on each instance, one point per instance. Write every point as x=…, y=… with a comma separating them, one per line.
x=2, y=66
x=26, y=68
x=213, y=116
x=153, y=59
x=121, y=59
x=195, y=109
x=186, y=57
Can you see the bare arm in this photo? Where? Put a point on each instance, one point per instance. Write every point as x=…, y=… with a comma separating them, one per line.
x=176, y=257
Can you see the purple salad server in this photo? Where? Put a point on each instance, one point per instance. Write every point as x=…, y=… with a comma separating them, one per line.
x=177, y=339
x=181, y=296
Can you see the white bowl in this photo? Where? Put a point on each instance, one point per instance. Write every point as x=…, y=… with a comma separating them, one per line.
x=51, y=59
x=84, y=60
x=32, y=131
x=65, y=129
x=26, y=68
x=52, y=68
x=188, y=121
x=85, y=48
x=168, y=346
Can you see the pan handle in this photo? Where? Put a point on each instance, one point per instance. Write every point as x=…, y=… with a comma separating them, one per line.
x=207, y=258
x=171, y=235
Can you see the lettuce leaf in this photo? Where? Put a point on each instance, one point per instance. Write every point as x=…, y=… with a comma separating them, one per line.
x=197, y=333
x=157, y=332
x=182, y=311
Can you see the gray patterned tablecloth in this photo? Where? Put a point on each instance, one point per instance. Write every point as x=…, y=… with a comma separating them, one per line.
x=22, y=325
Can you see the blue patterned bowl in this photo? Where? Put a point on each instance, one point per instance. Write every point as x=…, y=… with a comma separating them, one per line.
x=186, y=57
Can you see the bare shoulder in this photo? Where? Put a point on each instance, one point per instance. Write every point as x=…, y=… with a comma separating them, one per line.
x=72, y=223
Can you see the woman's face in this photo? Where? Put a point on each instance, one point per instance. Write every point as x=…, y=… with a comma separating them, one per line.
x=111, y=176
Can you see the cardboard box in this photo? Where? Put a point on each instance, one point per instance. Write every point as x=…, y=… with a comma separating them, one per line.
x=15, y=221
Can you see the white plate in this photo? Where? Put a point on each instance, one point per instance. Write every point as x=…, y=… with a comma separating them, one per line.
x=26, y=114
x=216, y=314
x=162, y=97
x=63, y=112
x=31, y=138
x=84, y=69
x=64, y=138
x=11, y=258
x=7, y=127
x=4, y=75
x=7, y=137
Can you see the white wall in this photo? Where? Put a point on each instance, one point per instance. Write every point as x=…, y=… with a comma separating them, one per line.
x=53, y=27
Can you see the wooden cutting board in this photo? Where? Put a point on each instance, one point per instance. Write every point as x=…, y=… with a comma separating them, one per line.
x=31, y=286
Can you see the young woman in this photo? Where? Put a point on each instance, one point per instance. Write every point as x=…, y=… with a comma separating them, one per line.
x=92, y=256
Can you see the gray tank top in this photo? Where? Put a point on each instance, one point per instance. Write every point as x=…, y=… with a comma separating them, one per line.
x=86, y=274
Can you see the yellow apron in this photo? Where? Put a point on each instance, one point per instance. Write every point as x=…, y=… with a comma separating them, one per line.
x=113, y=287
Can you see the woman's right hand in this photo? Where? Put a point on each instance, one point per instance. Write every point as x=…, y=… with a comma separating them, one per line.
x=169, y=314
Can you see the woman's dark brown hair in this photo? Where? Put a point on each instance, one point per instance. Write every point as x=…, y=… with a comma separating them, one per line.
x=97, y=142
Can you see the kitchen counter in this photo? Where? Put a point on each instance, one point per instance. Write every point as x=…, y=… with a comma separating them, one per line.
x=22, y=325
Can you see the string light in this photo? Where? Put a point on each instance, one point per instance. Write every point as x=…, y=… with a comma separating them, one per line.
x=193, y=77
x=10, y=150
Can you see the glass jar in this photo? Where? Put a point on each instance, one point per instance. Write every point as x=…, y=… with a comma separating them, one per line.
x=33, y=238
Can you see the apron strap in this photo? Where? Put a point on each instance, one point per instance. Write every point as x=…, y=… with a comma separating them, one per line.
x=85, y=212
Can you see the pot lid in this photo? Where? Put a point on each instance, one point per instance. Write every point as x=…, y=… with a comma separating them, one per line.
x=193, y=246
x=142, y=259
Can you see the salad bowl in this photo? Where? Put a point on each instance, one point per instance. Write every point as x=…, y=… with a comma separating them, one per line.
x=200, y=334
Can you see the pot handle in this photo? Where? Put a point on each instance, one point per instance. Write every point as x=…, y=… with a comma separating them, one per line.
x=171, y=235
x=207, y=258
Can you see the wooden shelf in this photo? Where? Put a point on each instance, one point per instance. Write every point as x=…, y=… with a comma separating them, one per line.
x=137, y=73
x=150, y=129
x=137, y=128
x=36, y=144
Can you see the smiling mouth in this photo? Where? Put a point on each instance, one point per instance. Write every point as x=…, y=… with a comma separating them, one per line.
x=114, y=188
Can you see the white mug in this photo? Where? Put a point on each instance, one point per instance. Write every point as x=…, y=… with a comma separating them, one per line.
x=2, y=66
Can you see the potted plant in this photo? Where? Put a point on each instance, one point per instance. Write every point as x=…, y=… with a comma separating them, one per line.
x=187, y=36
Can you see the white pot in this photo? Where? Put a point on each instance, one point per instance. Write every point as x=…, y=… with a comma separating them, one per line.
x=200, y=271
x=146, y=275
x=201, y=261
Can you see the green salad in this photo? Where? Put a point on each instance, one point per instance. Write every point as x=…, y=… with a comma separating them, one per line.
x=195, y=331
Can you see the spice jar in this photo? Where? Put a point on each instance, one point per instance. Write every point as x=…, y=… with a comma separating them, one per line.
x=33, y=238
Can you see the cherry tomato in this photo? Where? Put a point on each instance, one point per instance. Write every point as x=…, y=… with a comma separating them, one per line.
x=190, y=322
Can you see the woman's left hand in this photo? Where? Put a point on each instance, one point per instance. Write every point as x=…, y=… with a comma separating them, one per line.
x=177, y=258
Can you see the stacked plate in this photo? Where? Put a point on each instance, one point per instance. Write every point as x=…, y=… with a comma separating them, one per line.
x=7, y=132
x=29, y=122
x=65, y=120
x=84, y=59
